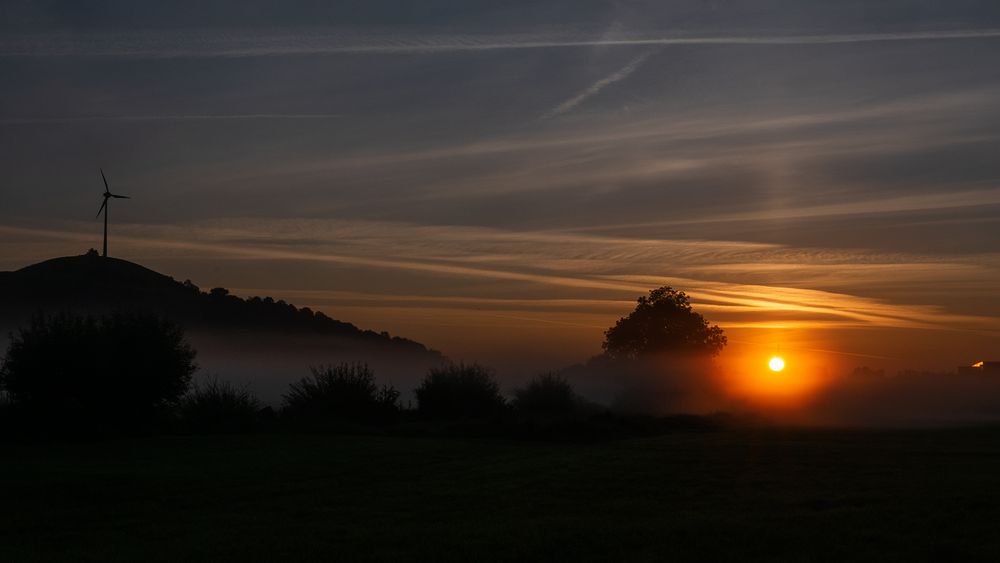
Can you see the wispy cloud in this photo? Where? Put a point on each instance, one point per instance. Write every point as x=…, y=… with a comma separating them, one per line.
x=198, y=43
x=870, y=206
x=167, y=117
x=596, y=87
x=653, y=146
x=537, y=260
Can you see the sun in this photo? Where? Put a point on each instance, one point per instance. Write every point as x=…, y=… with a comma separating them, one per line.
x=776, y=364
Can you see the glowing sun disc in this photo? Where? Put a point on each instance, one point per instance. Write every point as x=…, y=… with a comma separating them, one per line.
x=776, y=364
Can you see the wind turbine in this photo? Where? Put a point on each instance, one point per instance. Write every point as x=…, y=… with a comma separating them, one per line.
x=104, y=207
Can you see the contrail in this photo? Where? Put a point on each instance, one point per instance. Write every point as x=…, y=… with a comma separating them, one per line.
x=596, y=87
x=194, y=117
x=179, y=46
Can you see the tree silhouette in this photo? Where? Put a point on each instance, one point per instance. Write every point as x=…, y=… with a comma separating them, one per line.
x=459, y=391
x=219, y=406
x=345, y=391
x=546, y=394
x=663, y=323
x=115, y=372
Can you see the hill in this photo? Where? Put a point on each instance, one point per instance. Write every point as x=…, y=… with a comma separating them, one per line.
x=256, y=333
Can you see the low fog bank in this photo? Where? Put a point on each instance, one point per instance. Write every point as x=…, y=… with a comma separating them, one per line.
x=659, y=387
x=905, y=399
x=860, y=398
x=266, y=363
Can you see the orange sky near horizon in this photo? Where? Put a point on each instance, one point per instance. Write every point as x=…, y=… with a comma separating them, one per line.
x=524, y=321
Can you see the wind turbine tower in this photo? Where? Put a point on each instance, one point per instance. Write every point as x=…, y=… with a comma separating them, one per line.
x=104, y=207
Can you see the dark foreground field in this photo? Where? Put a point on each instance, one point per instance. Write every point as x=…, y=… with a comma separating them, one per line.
x=764, y=495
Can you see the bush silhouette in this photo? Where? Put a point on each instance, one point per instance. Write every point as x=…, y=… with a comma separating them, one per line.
x=219, y=406
x=546, y=394
x=663, y=322
x=345, y=392
x=5, y=414
x=459, y=391
x=116, y=372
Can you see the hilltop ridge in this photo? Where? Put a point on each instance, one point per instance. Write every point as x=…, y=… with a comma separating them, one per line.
x=89, y=283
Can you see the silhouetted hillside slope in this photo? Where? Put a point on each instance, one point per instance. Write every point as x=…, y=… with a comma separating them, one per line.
x=92, y=284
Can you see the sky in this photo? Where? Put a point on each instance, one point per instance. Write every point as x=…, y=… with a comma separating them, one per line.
x=501, y=180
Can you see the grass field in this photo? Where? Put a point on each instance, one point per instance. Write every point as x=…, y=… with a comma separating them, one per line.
x=730, y=495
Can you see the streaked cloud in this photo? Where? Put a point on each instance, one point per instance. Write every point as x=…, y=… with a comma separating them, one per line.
x=596, y=87
x=163, y=117
x=874, y=206
x=204, y=43
x=583, y=263
x=653, y=148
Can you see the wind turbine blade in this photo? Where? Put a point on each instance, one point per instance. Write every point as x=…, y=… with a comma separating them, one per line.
x=103, y=205
x=121, y=196
x=106, y=188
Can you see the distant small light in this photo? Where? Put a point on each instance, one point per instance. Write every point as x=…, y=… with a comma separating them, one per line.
x=979, y=364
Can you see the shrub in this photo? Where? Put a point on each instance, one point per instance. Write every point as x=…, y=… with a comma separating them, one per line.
x=345, y=392
x=117, y=372
x=219, y=406
x=546, y=394
x=459, y=391
x=5, y=413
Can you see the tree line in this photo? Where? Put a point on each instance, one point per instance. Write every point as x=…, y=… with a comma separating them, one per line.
x=66, y=373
